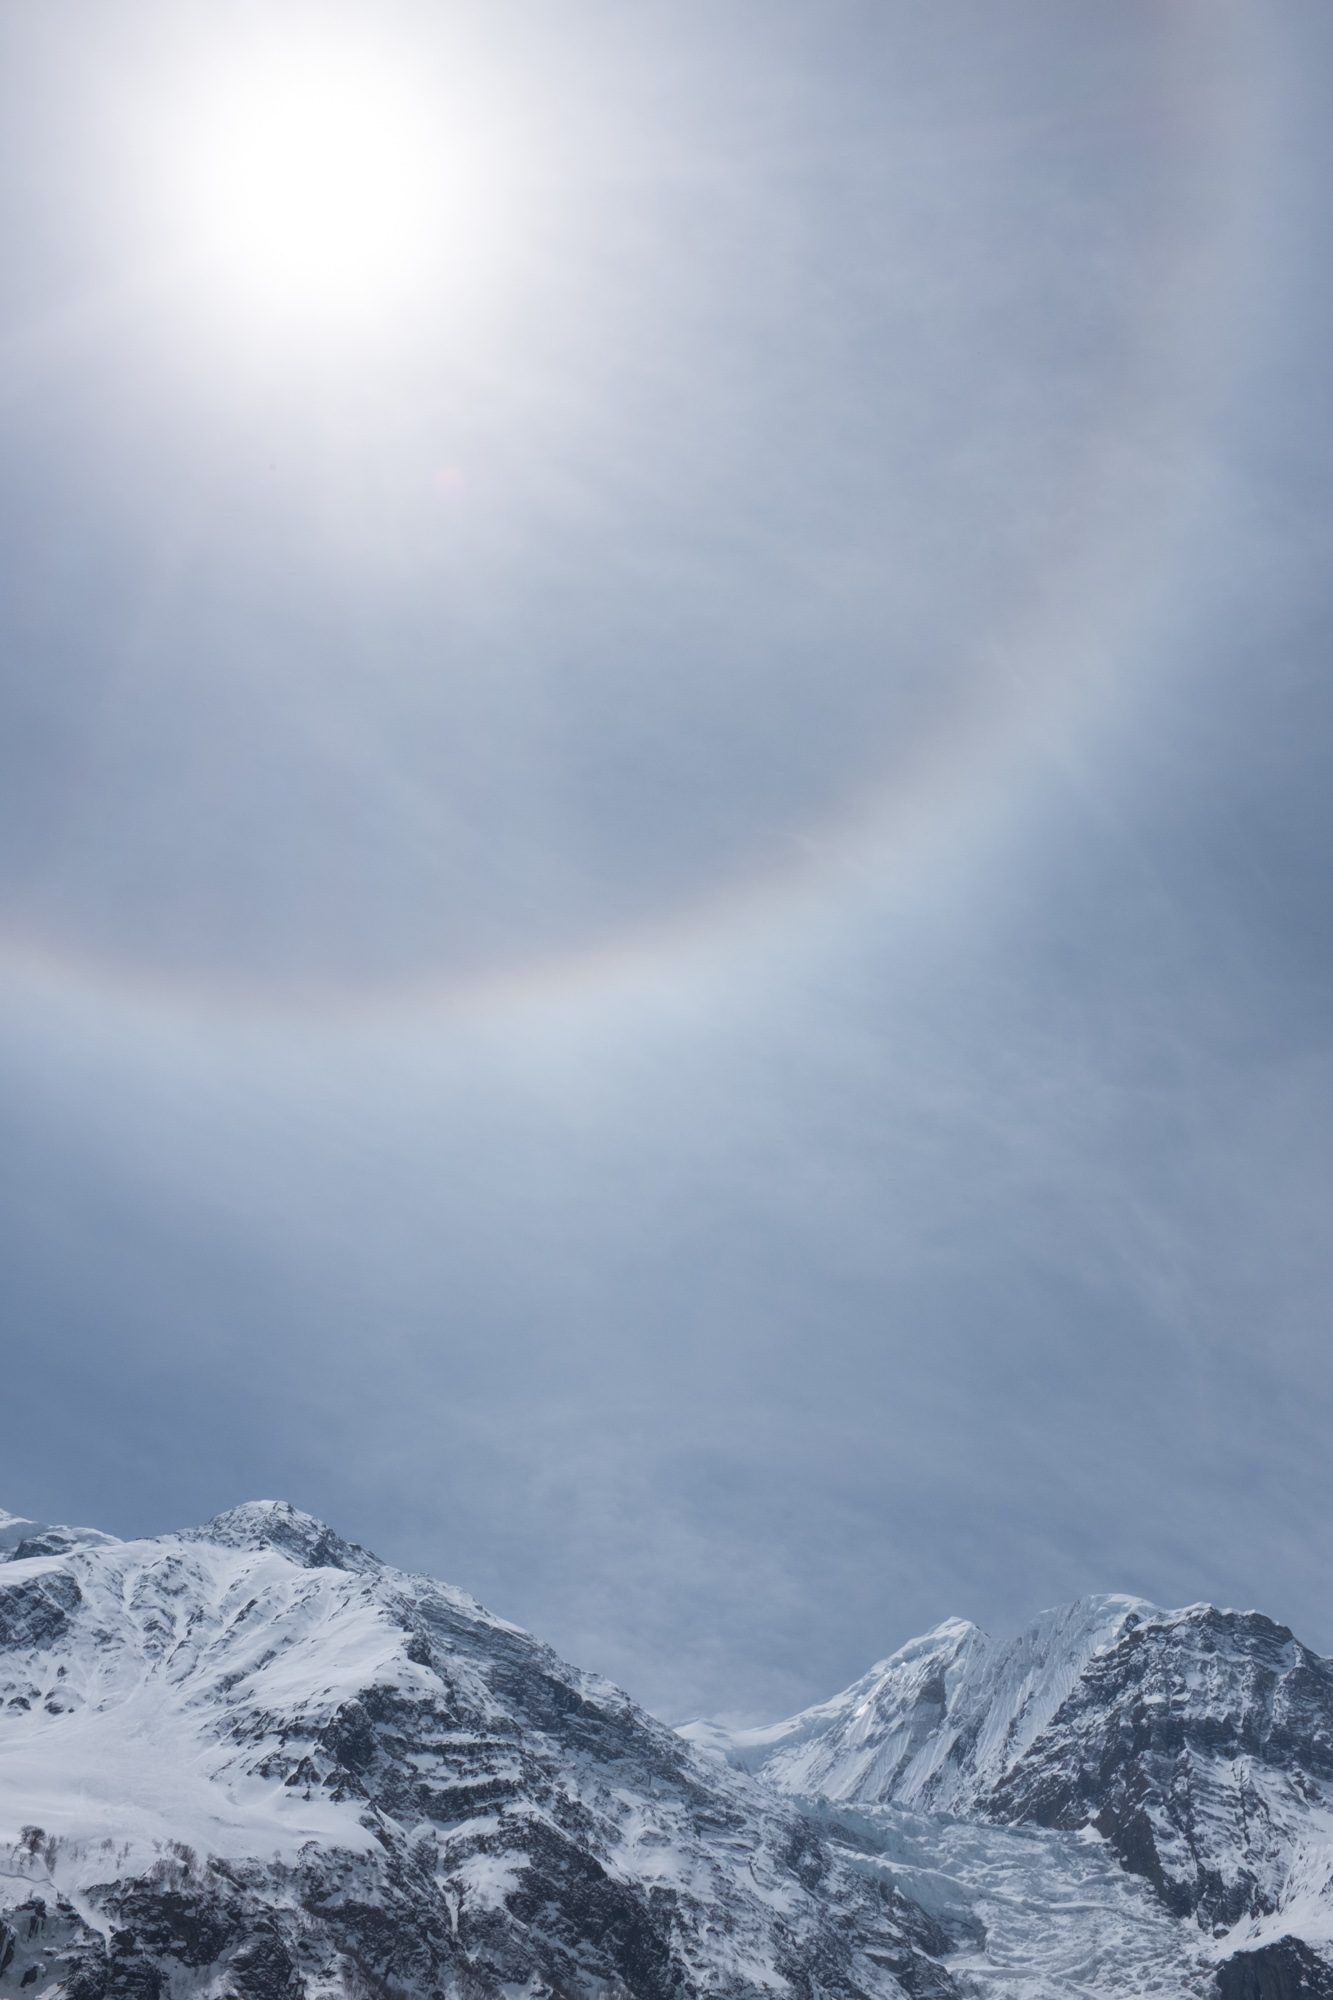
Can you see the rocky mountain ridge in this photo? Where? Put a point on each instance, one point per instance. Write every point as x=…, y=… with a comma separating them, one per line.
x=252, y=1762
x=1192, y=1749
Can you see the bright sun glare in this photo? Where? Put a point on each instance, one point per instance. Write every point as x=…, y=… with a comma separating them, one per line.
x=320, y=186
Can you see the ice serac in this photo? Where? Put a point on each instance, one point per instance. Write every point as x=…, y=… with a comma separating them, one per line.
x=1168, y=1775
x=252, y=1760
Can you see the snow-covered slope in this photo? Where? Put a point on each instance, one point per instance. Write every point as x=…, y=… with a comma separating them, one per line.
x=252, y=1760
x=20, y=1538
x=1166, y=1775
x=940, y=1721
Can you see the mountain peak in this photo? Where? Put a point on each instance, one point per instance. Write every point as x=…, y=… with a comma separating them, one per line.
x=949, y=1631
x=228, y=1768
x=942, y=1718
x=277, y=1524
x=21, y=1538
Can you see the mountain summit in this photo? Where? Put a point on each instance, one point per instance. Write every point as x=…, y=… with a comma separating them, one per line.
x=251, y=1761
x=1188, y=1754
x=942, y=1718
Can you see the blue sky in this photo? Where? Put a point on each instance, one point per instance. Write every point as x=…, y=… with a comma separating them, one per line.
x=664, y=894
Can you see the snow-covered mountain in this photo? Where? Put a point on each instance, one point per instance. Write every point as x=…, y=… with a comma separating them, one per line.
x=1167, y=1774
x=943, y=1719
x=252, y=1762
x=20, y=1537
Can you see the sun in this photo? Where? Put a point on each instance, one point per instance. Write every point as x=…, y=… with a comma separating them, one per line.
x=318, y=184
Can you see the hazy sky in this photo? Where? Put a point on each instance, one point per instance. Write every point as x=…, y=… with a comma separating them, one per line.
x=665, y=794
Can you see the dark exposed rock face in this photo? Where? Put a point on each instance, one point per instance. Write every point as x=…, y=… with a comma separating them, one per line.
x=36, y=1611
x=1287, y=1970
x=1192, y=1745
x=263, y=1968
